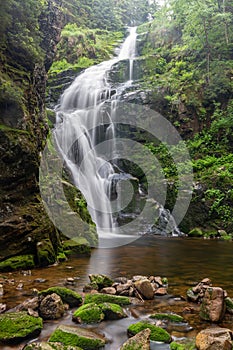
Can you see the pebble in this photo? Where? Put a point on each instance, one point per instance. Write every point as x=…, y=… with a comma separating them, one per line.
x=40, y=280
x=19, y=286
x=2, y=308
x=1, y=290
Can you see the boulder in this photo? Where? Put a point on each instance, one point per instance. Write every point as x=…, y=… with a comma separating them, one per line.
x=67, y=295
x=51, y=307
x=78, y=336
x=109, y=290
x=213, y=306
x=112, y=311
x=88, y=313
x=106, y=298
x=17, y=326
x=214, y=339
x=140, y=341
x=157, y=333
x=145, y=288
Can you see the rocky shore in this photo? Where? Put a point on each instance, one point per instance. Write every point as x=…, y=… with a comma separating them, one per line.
x=107, y=300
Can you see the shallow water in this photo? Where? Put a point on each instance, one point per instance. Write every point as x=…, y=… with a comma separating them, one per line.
x=183, y=261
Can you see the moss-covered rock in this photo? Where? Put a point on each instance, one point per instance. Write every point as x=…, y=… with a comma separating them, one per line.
x=17, y=263
x=102, y=281
x=45, y=253
x=177, y=346
x=77, y=336
x=229, y=305
x=157, y=333
x=140, y=341
x=88, y=313
x=196, y=232
x=106, y=298
x=50, y=346
x=17, y=326
x=112, y=311
x=77, y=246
x=67, y=295
x=169, y=317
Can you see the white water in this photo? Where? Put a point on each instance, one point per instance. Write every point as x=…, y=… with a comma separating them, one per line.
x=80, y=127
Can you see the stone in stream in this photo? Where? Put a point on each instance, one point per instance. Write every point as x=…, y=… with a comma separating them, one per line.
x=2, y=308
x=157, y=333
x=145, y=288
x=140, y=341
x=78, y=336
x=213, y=305
x=161, y=291
x=109, y=290
x=112, y=311
x=102, y=281
x=17, y=326
x=99, y=298
x=215, y=338
x=68, y=296
x=51, y=307
x=88, y=313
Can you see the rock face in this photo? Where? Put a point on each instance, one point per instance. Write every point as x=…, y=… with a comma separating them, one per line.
x=23, y=130
x=140, y=341
x=214, y=339
x=213, y=305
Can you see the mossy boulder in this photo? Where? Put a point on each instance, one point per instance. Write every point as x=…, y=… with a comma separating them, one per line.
x=50, y=346
x=140, y=341
x=77, y=336
x=196, y=232
x=17, y=263
x=67, y=295
x=45, y=253
x=102, y=281
x=89, y=313
x=157, y=333
x=112, y=311
x=17, y=326
x=77, y=246
x=168, y=317
x=99, y=298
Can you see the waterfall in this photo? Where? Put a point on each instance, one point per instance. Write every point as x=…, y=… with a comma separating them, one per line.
x=83, y=124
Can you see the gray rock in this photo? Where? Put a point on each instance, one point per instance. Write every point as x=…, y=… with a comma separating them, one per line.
x=51, y=307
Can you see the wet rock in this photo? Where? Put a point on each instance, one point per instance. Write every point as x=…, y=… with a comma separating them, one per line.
x=77, y=246
x=109, y=290
x=88, y=313
x=32, y=304
x=67, y=295
x=112, y=311
x=78, y=336
x=145, y=288
x=229, y=305
x=139, y=341
x=91, y=287
x=122, y=280
x=2, y=308
x=161, y=291
x=51, y=307
x=168, y=317
x=45, y=253
x=1, y=290
x=157, y=333
x=40, y=280
x=214, y=339
x=70, y=281
x=138, y=278
x=17, y=263
x=124, y=287
x=19, y=286
x=213, y=306
x=17, y=326
x=102, y=281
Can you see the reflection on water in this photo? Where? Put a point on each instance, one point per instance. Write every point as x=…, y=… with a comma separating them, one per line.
x=183, y=261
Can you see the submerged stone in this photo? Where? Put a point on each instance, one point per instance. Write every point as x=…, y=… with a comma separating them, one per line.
x=17, y=326
x=77, y=336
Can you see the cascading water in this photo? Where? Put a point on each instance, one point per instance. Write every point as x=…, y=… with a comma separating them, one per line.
x=82, y=124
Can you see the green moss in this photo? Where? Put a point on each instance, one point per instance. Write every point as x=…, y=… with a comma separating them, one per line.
x=112, y=311
x=185, y=345
x=89, y=313
x=16, y=326
x=229, y=304
x=169, y=317
x=157, y=333
x=77, y=245
x=77, y=337
x=18, y=262
x=68, y=296
x=45, y=253
x=50, y=346
x=106, y=298
x=196, y=232
x=101, y=280
x=176, y=346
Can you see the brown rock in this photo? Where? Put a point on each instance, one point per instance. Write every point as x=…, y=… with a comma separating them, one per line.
x=51, y=307
x=213, y=306
x=206, y=281
x=123, y=287
x=139, y=341
x=138, y=278
x=214, y=339
x=109, y=290
x=161, y=291
x=145, y=288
